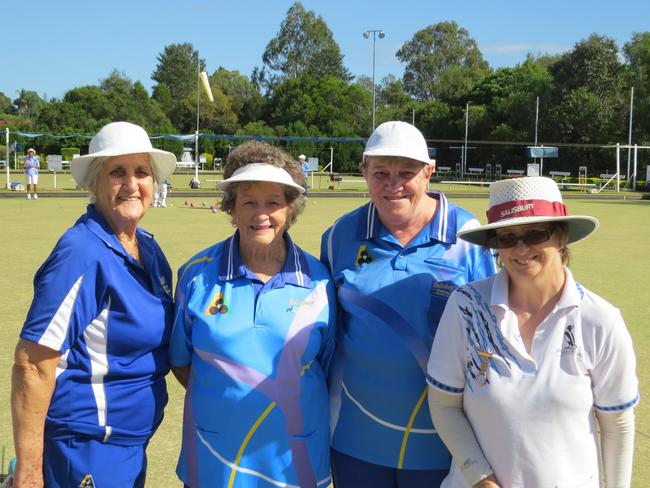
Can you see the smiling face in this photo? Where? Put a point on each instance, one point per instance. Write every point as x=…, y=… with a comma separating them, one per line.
x=124, y=190
x=535, y=261
x=397, y=187
x=261, y=213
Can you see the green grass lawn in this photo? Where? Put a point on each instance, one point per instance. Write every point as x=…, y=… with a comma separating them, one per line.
x=614, y=263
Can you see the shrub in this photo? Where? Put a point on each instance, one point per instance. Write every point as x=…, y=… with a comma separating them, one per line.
x=67, y=152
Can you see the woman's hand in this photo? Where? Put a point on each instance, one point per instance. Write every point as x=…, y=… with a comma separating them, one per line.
x=489, y=482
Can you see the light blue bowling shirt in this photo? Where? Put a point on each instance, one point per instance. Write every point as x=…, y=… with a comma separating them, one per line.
x=391, y=298
x=256, y=408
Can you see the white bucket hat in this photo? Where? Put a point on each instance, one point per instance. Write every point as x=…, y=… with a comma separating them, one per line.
x=119, y=139
x=31, y=150
x=397, y=138
x=261, y=172
x=302, y=156
x=529, y=200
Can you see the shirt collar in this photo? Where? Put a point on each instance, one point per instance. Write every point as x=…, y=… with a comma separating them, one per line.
x=441, y=228
x=98, y=226
x=295, y=270
x=571, y=297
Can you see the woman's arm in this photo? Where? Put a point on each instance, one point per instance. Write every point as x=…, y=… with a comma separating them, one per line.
x=182, y=374
x=457, y=434
x=617, y=441
x=32, y=384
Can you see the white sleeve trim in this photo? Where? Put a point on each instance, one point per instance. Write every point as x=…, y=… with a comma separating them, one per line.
x=57, y=330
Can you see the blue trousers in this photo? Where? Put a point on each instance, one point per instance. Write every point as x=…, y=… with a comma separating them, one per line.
x=66, y=463
x=350, y=472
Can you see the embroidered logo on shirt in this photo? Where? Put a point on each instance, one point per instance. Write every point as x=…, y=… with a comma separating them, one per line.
x=569, y=341
x=363, y=256
x=442, y=289
x=165, y=286
x=298, y=305
x=217, y=306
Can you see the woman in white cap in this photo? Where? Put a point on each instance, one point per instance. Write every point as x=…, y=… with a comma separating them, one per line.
x=253, y=337
x=31, y=166
x=88, y=386
x=394, y=262
x=526, y=361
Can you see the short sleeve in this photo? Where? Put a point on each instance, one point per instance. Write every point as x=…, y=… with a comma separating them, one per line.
x=180, y=346
x=613, y=376
x=446, y=366
x=67, y=297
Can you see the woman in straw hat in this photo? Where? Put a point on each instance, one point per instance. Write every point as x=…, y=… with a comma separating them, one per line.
x=525, y=362
x=394, y=261
x=88, y=386
x=253, y=338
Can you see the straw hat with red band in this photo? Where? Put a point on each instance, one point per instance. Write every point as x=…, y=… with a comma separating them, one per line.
x=530, y=200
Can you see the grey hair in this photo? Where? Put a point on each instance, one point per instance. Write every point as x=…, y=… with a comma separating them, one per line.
x=95, y=166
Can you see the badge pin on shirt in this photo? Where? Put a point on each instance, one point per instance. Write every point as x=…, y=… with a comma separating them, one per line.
x=217, y=306
x=485, y=367
x=87, y=482
x=363, y=256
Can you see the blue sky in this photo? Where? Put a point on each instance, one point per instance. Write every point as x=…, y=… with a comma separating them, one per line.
x=52, y=46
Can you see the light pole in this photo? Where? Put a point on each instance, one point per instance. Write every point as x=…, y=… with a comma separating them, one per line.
x=375, y=33
x=463, y=167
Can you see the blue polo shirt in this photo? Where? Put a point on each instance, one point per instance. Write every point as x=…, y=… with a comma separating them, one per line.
x=32, y=165
x=256, y=409
x=110, y=317
x=391, y=298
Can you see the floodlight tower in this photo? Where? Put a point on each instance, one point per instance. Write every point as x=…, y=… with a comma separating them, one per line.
x=366, y=34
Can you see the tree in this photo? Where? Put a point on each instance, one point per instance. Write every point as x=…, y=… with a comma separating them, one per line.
x=304, y=46
x=442, y=61
x=177, y=68
x=509, y=95
x=246, y=101
x=637, y=54
x=593, y=63
x=29, y=104
x=589, y=97
x=6, y=107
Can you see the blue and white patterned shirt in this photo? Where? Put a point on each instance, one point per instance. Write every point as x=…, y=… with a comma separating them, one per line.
x=391, y=298
x=256, y=410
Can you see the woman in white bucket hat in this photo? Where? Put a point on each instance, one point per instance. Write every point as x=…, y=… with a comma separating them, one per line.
x=88, y=388
x=253, y=338
x=394, y=261
x=525, y=363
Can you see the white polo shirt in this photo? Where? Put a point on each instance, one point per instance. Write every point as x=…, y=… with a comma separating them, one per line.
x=533, y=413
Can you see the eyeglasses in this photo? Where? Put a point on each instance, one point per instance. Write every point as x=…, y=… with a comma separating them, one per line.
x=530, y=238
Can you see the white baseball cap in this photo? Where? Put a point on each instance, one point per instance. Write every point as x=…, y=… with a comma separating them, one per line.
x=528, y=200
x=119, y=139
x=269, y=173
x=398, y=138
x=302, y=156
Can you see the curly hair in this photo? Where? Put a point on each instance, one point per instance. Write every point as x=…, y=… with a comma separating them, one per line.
x=261, y=152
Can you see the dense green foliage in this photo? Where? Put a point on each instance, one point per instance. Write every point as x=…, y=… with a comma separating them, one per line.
x=303, y=89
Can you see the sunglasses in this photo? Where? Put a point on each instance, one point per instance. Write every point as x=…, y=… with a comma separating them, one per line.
x=530, y=238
